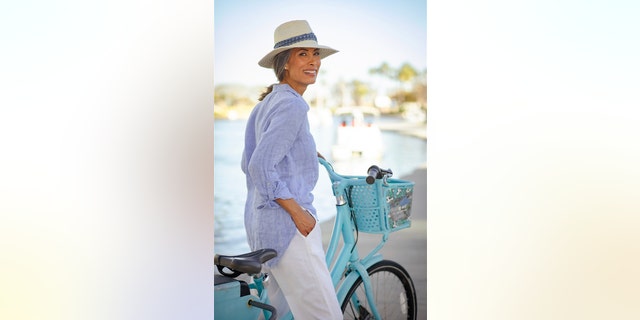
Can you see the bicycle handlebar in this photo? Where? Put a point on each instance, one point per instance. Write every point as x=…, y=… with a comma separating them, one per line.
x=374, y=172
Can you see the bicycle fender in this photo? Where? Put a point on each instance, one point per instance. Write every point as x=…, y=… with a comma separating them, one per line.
x=228, y=304
x=351, y=278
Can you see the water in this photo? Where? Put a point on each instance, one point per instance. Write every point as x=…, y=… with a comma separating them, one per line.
x=402, y=154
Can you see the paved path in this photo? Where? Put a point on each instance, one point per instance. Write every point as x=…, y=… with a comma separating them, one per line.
x=408, y=247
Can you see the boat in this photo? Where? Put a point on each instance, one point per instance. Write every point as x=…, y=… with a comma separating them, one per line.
x=357, y=134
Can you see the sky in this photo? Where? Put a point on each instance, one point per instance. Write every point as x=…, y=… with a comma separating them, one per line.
x=365, y=32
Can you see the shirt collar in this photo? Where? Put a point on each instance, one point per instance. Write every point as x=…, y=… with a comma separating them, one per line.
x=284, y=87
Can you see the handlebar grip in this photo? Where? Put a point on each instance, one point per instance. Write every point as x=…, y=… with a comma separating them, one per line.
x=372, y=174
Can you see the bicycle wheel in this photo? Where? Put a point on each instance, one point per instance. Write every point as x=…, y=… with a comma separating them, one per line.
x=393, y=292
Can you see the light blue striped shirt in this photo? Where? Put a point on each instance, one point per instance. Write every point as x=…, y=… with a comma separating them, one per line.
x=280, y=162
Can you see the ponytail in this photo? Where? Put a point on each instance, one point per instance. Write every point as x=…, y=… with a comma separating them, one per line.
x=279, y=61
x=264, y=94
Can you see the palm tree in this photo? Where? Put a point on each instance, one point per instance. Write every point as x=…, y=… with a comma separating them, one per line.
x=407, y=73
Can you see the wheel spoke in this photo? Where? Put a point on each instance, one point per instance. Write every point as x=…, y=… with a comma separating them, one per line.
x=393, y=292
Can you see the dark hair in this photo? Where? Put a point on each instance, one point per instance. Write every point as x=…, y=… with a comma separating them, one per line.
x=279, y=61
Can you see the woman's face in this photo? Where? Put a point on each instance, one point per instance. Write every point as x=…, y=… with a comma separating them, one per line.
x=302, y=68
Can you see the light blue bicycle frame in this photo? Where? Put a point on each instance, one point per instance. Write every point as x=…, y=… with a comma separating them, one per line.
x=344, y=263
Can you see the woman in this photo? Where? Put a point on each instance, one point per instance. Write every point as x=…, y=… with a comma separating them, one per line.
x=281, y=167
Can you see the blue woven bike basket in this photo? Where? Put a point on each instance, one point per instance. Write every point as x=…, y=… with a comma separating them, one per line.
x=381, y=208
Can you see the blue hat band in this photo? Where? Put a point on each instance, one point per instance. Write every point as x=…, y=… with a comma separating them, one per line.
x=292, y=40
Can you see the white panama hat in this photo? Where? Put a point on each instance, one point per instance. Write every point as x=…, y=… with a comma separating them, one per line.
x=294, y=34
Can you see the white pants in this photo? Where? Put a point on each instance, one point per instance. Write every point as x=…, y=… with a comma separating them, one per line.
x=301, y=281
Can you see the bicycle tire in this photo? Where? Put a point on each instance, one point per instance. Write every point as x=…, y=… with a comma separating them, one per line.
x=393, y=291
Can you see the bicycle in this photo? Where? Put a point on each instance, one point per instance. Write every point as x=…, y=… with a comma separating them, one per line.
x=367, y=288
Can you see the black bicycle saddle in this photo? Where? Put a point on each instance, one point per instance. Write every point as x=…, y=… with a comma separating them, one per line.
x=250, y=263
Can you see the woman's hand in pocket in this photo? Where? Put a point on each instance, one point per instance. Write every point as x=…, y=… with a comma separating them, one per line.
x=305, y=222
